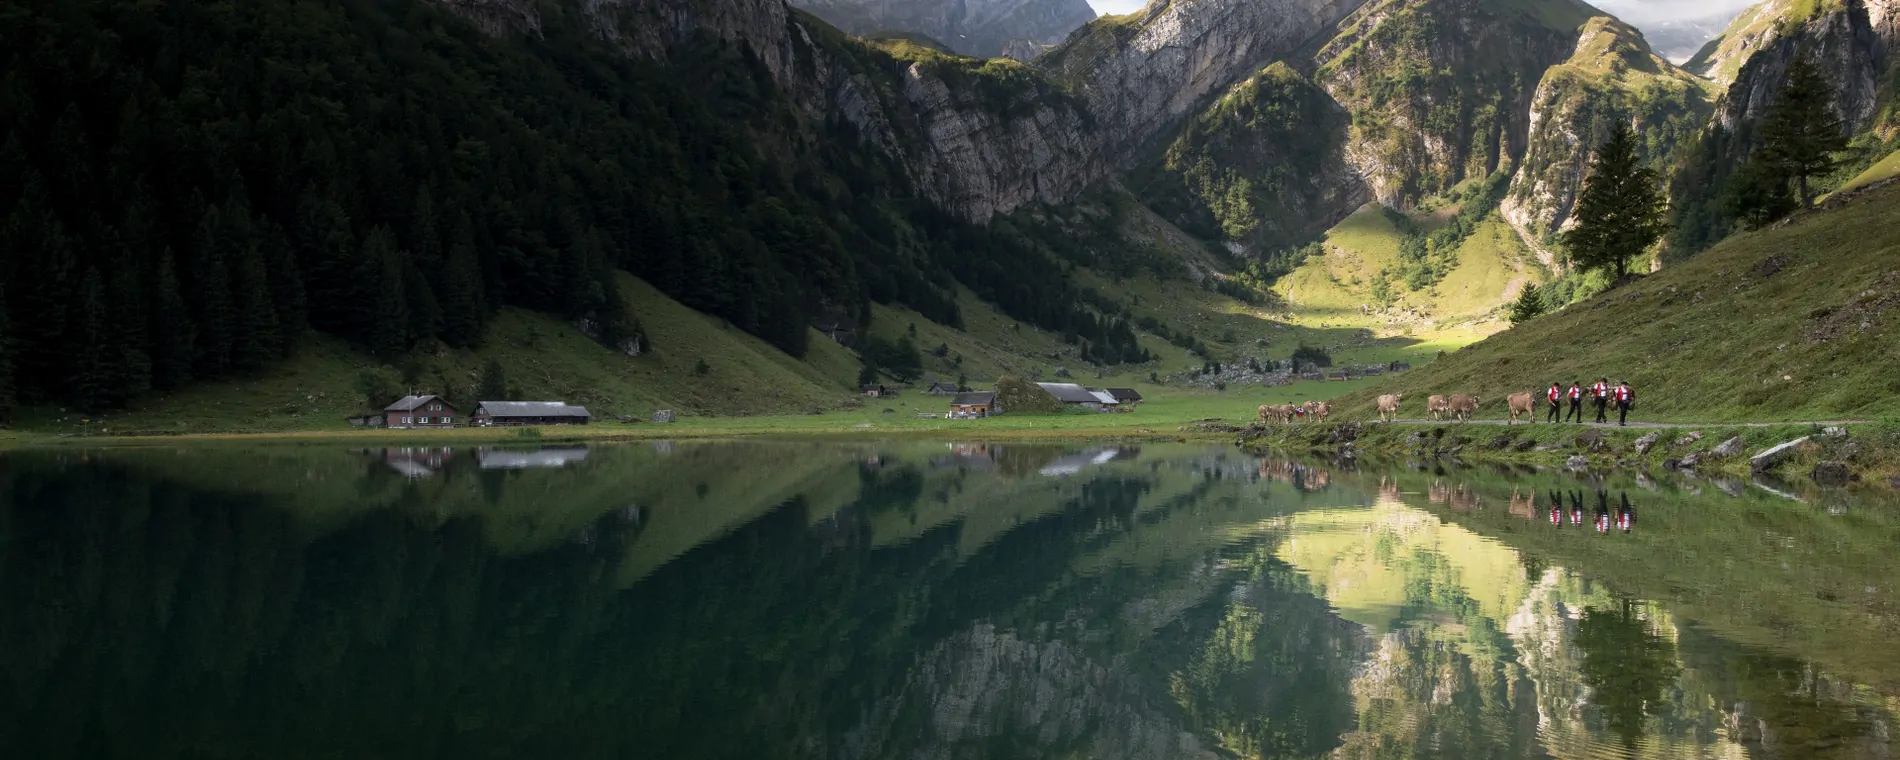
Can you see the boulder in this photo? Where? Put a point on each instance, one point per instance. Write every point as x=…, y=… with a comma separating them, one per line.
x=1591, y=441
x=1831, y=473
x=1774, y=454
x=1672, y=464
x=1692, y=437
x=1525, y=445
x=1730, y=447
x=1834, y=432
x=1577, y=462
x=1346, y=433
x=664, y=415
x=1647, y=442
x=1689, y=462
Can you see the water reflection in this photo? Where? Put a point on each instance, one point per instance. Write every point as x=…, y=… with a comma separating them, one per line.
x=872, y=600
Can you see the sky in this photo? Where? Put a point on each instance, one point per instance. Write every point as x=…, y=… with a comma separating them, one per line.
x=1637, y=12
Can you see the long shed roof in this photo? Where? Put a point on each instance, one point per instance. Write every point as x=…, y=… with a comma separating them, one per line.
x=531, y=409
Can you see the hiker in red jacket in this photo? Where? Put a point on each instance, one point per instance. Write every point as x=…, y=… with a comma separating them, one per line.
x=1624, y=398
x=1600, y=394
x=1576, y=402
x=1556, y=397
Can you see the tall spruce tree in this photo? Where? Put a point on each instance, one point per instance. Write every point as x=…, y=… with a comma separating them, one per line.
x=494, y=383
x=1802, y=132
x=171, y=330
x=1528, y=306
x=94, y=371
x=1620, y=212
x=389, y=313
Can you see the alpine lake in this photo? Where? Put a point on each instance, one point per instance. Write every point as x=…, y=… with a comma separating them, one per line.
x=847, y=599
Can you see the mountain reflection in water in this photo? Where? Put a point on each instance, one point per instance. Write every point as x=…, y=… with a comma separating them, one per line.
x=908, y=600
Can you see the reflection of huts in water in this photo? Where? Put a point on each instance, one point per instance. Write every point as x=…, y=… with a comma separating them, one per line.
x=417, y=461
x=524, y=459
x=1458, y=496
x=975, y=456
x=1070, y=464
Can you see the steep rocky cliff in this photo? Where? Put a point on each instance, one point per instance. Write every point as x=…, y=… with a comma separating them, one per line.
x=1853, y=42
x=1262, y=168
x=1440, y=90
x=1145, y=72
x=1612, y=77
x=982, y=28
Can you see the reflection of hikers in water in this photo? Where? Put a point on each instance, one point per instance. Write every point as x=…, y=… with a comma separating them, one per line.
x=1626, y=515
x=1603, y=512
x=1600, y=395
x=1576, y=507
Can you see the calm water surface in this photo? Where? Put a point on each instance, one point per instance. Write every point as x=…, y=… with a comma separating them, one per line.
x=905, y=600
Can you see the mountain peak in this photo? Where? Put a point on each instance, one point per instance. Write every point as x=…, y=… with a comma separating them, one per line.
x=980, y=28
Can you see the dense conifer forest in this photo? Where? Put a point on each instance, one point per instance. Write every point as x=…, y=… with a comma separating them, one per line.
x=187, y=188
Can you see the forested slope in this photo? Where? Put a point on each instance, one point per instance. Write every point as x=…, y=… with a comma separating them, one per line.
x=201, y=183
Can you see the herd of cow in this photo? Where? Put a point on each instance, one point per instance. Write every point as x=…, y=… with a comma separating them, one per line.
x=1457, y=406
x=1286, y=413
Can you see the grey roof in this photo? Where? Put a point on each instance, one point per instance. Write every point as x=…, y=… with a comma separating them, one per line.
x=412, y=403
x=974, y=398
x=1124, y=395
x=531, y=409
x=1104, y=397
x=1069, y=393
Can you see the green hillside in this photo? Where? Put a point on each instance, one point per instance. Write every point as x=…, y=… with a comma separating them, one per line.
x=1793, y=323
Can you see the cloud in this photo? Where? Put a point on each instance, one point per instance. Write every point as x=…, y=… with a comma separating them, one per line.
x=1117, y=7
x=1641, y=12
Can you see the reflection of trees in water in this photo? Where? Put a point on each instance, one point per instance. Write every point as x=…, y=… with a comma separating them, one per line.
x=1268, y=679
x=1626, y=665
x=152, y=619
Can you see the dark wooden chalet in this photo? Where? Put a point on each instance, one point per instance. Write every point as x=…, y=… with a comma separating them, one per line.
x=1125, y=396
x=412, y=412
x=528, y=413
x=940, y=388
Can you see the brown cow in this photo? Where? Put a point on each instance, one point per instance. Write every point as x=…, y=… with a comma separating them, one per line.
x=1462, y=406
x=1521, y=403
x=1318, y=410
x=1389, y=405
x=1264, y=412
x=1283, y=413
x=1436, y=405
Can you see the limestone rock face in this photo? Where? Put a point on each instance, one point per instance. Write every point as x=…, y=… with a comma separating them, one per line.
x=1612, y=77
x=981, y=28
x=1143, y=73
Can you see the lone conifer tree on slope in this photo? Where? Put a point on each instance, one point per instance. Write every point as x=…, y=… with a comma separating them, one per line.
x=1620, y=212
x=1802, y=132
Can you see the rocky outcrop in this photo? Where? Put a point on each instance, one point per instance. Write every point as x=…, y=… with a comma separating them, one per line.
x=983, y=686
x=1853, y=41
x=1262, y=168
x=1612, y=77
x=1440, y=90
x=982, y=28
x=1143, y=73
x=498, y=17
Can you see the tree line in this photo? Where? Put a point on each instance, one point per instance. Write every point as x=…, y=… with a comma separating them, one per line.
x=189, y=188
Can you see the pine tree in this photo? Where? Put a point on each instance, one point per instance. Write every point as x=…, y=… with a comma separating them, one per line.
x=1802, y=132
x=462, y=306
x=171, y=329
x=1620, y=212
x=126, y=307
x=1758, y=194
x=1529, y=304
x=389, y=312
x=210, y=293
x=7, y=398
x=254, y=337
x=494, y=384
x=93, y=367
